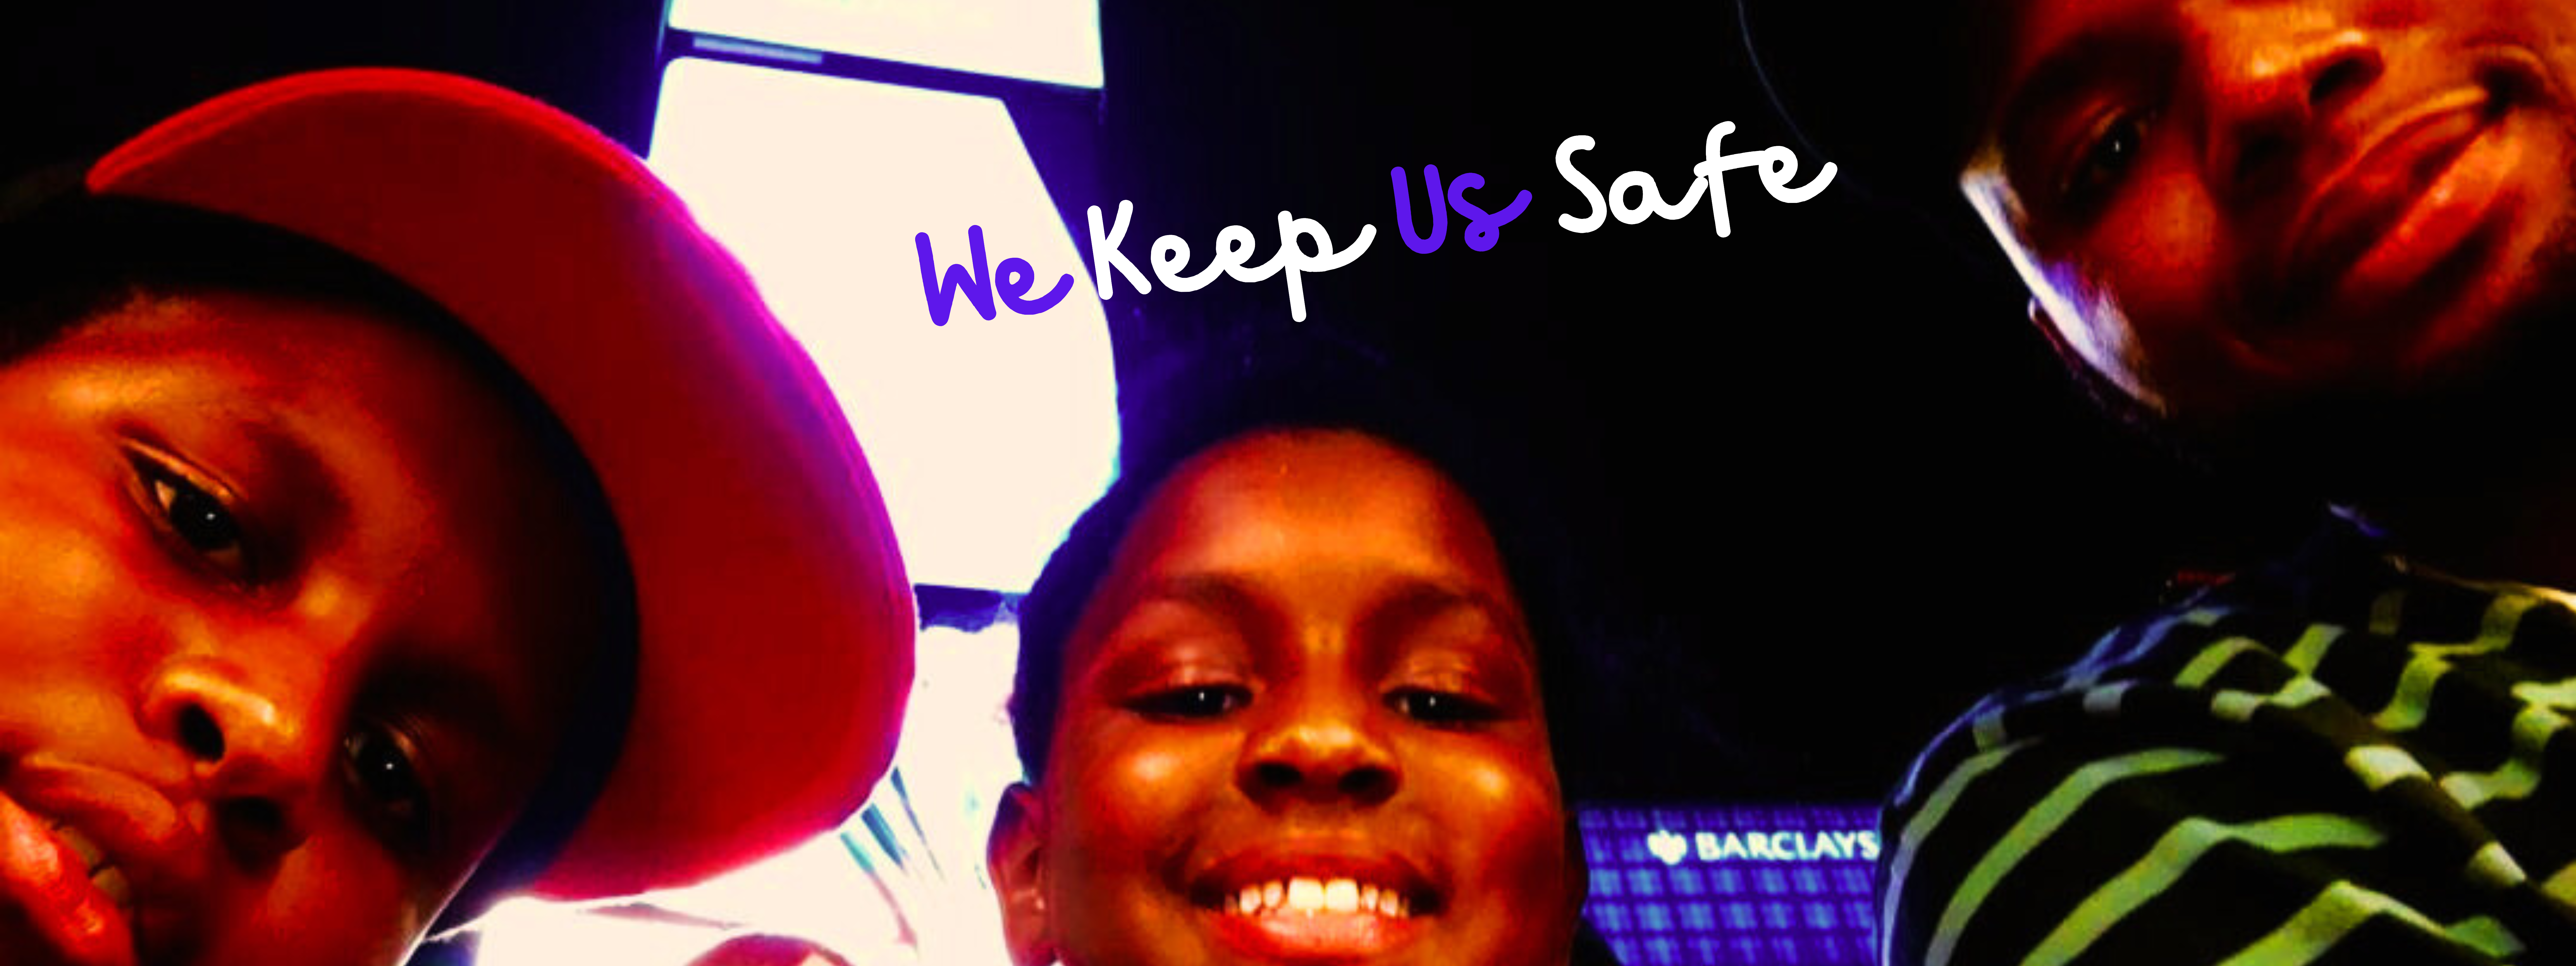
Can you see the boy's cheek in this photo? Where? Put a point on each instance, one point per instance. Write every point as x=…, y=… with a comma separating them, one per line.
x=329, y=902
x=1131, y=782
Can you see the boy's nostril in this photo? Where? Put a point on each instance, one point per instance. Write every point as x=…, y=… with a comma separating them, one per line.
x=200, y=735
x=1273, y=774
x=1368, y=783
x=2341, y=79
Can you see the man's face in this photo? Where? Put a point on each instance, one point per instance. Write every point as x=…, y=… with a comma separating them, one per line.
x=1301, y=723
x=290, y=615
x=2225, y=207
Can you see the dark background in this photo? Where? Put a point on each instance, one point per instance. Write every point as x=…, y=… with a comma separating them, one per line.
x=1830, y=482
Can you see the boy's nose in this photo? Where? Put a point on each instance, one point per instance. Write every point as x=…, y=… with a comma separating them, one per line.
x=1318, y=748
x=252, y=745
x=2277, y=79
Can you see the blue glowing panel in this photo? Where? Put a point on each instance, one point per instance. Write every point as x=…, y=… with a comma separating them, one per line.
x=1055, y=41
x=987, y=436
x=1734, y=885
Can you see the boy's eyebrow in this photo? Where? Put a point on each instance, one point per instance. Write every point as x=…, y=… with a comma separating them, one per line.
x=291, y=465
x=457, y=697
x=2056, y=77
x=1421, y=599
x=1218, y=591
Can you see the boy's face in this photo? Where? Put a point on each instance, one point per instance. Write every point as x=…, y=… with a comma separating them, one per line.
x=2225, y=206
x=1301, y=723
x=292, y=611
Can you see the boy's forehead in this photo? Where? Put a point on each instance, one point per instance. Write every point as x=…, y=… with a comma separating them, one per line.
x=1274, y=496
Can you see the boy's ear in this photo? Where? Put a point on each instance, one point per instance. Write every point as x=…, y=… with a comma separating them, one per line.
x=1015, y=859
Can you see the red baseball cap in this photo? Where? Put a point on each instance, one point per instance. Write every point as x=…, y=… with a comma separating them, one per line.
x=775, y=623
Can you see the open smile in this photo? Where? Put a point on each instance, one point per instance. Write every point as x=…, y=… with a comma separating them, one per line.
x=1315, y=908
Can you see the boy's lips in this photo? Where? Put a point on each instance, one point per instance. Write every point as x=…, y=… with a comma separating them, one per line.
x=1315, y=906
x=125, y=861
x=2415, y=190
x=2397, y=219
x=47, y=885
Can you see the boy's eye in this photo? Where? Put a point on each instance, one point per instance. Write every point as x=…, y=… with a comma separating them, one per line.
x=2105, y=157
x=197, y=517
x=384, y=776
x=1193, y=702
x=1445, y=709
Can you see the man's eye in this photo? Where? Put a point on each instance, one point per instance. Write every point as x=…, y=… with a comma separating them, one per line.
x=2106, y=156
x=384, y=776
x=197, y=517
x=1441, y=708
x=1194, y=702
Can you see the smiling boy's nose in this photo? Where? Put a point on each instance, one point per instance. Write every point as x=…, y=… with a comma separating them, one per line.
x=1318, y=748
x=252, y=746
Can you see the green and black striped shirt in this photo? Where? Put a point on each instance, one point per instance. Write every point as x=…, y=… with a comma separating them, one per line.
x=2342, y=759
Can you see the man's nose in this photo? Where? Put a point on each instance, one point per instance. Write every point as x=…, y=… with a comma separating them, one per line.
x=256, y=746
x=1318, y=745
x=2277, y=79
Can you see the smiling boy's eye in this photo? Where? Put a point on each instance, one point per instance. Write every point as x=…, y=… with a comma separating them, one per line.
x=384, y=777
x=197, y=517
x=1193, y=702
x=1441, y=708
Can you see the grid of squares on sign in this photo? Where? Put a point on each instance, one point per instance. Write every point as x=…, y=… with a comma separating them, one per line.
x=1690, y=907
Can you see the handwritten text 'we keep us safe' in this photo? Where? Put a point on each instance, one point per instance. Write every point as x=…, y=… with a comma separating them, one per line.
x=1632, y=198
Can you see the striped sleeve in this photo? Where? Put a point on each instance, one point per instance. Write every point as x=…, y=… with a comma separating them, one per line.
x=2213, y=805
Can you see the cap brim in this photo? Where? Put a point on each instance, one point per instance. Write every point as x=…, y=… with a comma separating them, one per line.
x=776, y=623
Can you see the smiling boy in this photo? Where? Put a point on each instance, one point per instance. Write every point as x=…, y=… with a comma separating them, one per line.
x=1282, y=699
x=405, y=505
x=2324, y=241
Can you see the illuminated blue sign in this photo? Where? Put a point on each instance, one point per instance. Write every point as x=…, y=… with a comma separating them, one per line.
x=1717, y=885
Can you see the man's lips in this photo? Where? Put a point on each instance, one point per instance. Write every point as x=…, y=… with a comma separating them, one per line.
x=2389, y=213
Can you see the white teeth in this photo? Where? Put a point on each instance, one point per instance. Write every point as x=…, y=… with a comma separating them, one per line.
x=1305, y=895
x=1341, y=895
x=1312, y=896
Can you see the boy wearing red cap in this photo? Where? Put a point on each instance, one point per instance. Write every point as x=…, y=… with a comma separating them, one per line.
x=407, y=504
x=2328, y=242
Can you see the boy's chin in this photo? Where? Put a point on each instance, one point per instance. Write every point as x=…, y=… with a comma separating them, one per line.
x=2498, y=405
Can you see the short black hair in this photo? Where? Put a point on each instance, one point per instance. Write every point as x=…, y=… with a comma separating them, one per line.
x=1298, y=382
x=68, y=257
